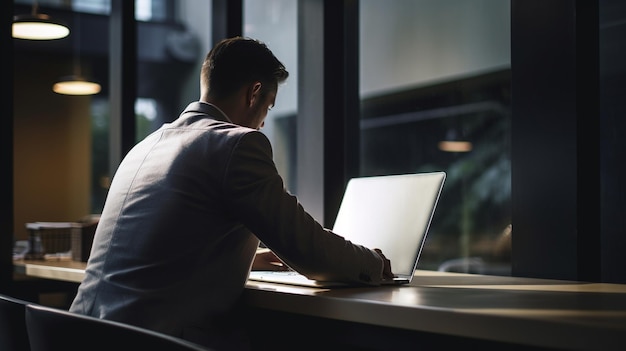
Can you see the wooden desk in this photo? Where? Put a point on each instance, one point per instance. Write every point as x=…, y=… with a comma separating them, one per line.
x=520, y=312
x=69, y=271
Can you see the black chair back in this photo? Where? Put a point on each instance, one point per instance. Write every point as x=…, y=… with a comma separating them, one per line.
x=52, y=329
x=13, y=334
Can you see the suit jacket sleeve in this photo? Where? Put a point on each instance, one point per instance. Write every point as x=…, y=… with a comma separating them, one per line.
x=256, y=193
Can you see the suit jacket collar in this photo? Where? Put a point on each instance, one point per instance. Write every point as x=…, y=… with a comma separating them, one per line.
x=207, y=109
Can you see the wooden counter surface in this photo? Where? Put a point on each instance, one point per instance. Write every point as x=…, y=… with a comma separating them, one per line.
x=525, y=311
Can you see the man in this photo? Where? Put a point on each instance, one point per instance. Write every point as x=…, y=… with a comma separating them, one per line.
x=188, y=205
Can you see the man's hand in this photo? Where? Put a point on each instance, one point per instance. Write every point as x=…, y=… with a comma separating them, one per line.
x=266, y=260
x=387, y=273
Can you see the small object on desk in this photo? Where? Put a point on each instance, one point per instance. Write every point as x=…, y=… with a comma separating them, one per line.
x=35, y=248
x=82, y=239
x=20, y=248
x=49, y=237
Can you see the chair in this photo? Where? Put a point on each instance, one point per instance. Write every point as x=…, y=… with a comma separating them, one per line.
x=13, y=334
x=53, y=329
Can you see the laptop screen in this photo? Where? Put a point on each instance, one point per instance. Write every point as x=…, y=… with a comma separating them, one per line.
x=392, y=213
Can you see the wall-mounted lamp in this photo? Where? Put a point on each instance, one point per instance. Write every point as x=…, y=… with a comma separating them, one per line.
x=38, y=26
x=452, y=143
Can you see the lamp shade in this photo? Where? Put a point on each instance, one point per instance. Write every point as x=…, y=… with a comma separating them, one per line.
x=38, y=26
x=75, y=85
x=454, y=143
x=455, y=146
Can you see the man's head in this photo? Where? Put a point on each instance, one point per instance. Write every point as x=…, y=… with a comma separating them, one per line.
x=241, y=76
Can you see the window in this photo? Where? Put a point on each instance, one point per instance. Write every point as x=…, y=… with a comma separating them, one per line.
x=145, y=10
x=432, y=73
x=274, y=22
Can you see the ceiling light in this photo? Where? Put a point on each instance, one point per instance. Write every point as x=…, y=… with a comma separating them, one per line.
x=453, y=142
x=455, y=146
x=76, y=85
x=38, y=26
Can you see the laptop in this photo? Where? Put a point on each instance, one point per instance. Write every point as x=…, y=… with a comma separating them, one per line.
x=392, y=213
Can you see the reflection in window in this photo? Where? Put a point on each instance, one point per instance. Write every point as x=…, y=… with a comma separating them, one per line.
x=145, y=10
x=434, y=72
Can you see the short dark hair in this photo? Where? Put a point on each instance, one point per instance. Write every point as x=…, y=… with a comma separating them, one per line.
x=237, y=61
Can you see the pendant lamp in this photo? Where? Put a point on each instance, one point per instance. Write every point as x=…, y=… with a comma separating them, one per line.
x=454, y=143
x=38, y=26
x=76, y=84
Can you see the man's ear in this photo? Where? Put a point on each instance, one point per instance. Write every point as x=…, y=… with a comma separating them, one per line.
x=254, y=93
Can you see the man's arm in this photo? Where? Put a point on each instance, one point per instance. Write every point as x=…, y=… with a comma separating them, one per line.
x=255, y=193
x=266, y=260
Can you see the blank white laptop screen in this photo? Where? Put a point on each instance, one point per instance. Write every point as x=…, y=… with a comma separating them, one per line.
x=392, y=213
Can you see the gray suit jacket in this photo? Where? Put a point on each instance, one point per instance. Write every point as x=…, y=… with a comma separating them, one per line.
x=183, y=219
